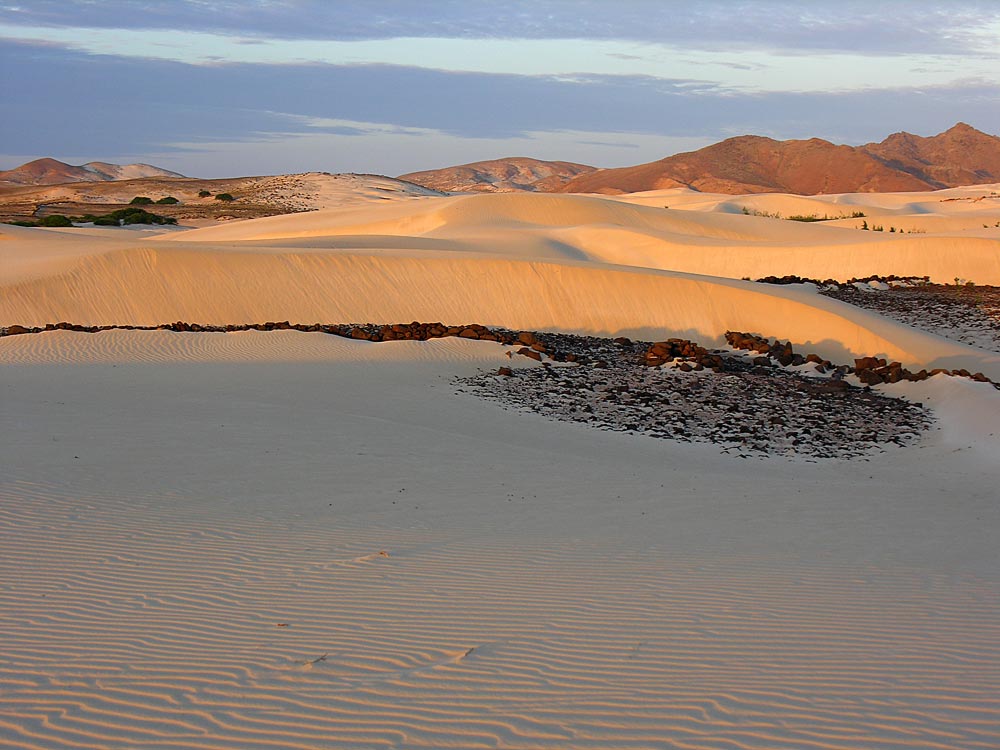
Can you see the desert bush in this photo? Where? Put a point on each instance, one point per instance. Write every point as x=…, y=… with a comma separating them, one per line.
x=125, y=216
x=168, y=201
x=224, y=197
x=203, y=193
x=55, y=220
x=141, y=200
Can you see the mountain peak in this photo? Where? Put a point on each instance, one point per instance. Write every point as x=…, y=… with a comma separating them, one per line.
x=961, y=155
x=48, y=171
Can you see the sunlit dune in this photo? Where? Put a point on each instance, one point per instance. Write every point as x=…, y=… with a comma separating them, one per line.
x=290, y=539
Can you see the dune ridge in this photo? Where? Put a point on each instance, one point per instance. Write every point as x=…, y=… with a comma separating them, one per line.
x=610, y=231
x=213, y=287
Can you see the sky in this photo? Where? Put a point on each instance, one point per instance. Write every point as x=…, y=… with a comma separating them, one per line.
x=215, y=88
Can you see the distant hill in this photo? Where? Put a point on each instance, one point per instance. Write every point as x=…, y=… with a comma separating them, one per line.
x=961, y=155
x=511, y=174
x=54, y=172
x=253, y=197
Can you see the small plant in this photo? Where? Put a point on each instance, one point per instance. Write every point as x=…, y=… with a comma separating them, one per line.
x=168, y=201
x=225, y=197
x=22, y=223
x=55, y=220
x=124, y=216
x=203, y=193
x=141, y=200
x=864, y=225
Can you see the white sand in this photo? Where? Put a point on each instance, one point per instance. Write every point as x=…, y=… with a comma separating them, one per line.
x=192, y=525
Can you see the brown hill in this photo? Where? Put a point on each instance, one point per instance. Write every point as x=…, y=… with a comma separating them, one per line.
x=506, y=175
x=54, y=172
x=960, y=155
x=753, y=164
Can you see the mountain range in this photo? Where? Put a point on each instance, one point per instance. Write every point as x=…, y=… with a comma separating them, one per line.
x=959, y=156
x=55, y=172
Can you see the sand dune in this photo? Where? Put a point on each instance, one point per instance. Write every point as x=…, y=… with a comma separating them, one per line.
x=296, y=540
x=292, y=542
x=209, y=286
x=712, y=243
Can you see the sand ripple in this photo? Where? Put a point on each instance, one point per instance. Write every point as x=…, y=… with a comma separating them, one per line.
x=125, y=625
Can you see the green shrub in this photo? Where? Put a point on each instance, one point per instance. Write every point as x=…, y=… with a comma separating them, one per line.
x=22, y=223
x=141, y=200
x=136, y=215
x=224, y=197
x=203, y=193
x=168, y=201
x=55, y=220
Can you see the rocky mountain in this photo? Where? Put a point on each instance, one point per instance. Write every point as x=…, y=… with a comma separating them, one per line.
x=507, y=175
x=961, y=155
x=54, y=172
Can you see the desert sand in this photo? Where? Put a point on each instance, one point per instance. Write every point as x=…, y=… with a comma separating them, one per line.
x=286, y=539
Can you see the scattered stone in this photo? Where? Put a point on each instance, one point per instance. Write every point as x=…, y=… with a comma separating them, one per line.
x=653, y=390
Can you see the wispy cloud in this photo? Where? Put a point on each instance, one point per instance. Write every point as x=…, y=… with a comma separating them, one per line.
x=879, y=26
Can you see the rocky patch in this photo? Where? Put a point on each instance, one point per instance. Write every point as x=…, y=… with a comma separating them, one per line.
x=678, y=390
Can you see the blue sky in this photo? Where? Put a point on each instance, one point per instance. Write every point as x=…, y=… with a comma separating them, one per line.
x=238, y=87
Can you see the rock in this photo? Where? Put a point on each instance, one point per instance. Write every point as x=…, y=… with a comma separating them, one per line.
x=870, y=377
x=866, y=363
x=530, y=353
x=506, y=372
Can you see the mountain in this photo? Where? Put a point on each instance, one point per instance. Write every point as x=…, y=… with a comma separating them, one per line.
x=512, y=174
x=960, y=155
x=754, y=164
x=54, y=172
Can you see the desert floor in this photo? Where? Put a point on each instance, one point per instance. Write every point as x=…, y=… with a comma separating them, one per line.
x=296, y=540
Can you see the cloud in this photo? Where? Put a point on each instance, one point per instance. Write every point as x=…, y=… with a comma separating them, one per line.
x=880, y=26
x=64, y=102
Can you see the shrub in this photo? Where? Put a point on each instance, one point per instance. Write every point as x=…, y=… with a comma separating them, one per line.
x=141, y=200
x=125, y=216
x=55, y=220
x=168, y=201
x=203, y=193
x=22, y=223
x=224, y=197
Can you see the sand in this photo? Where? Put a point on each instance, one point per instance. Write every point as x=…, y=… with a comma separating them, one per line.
x=288, y=539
